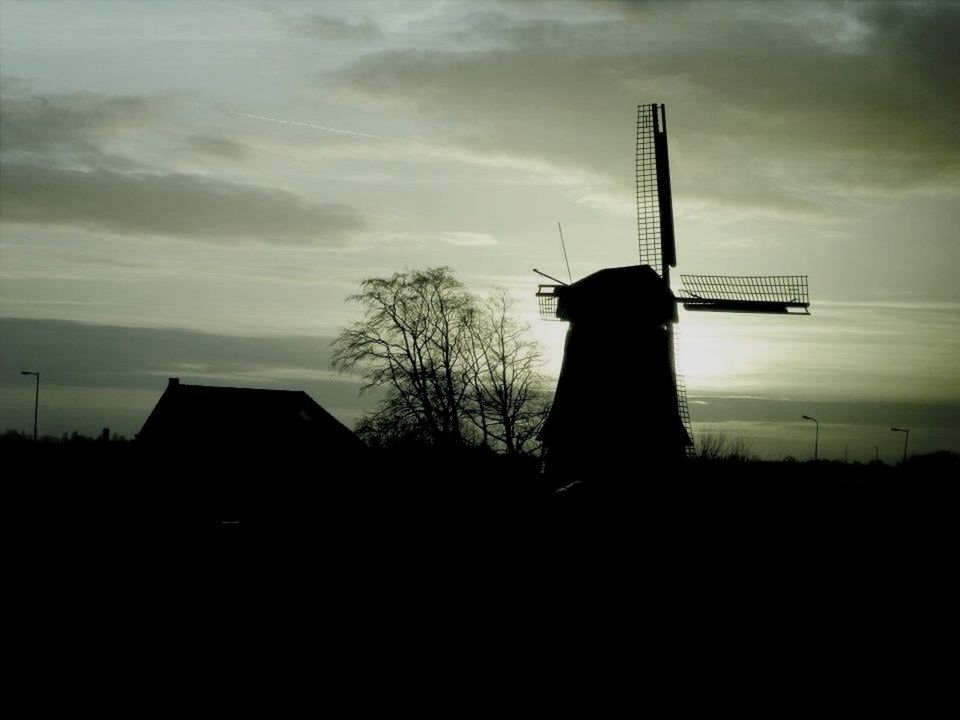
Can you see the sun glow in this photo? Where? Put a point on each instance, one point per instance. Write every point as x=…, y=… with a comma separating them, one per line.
x=712, y=354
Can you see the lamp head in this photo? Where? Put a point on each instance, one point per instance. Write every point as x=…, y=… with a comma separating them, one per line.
x=807, y=417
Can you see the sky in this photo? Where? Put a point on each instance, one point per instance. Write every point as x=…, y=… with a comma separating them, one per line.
x=192, y=189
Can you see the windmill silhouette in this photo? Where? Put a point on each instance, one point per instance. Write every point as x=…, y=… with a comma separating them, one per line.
x=619, y=404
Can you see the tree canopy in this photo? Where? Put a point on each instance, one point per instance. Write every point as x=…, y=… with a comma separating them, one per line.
x=455, y=369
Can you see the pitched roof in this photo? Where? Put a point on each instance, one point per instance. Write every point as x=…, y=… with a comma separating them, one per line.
x=202, y=413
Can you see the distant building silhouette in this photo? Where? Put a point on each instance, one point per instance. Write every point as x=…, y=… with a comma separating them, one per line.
x=227, y=455
x=245, y=418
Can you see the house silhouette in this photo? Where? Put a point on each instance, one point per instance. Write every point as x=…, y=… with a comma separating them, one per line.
x=222, y=455
x=245, y=418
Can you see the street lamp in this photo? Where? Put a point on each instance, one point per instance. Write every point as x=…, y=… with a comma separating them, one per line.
x=816, y=440
x=905, y=440
x=36, y=399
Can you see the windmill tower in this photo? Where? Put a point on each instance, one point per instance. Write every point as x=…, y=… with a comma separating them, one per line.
x=619, y=403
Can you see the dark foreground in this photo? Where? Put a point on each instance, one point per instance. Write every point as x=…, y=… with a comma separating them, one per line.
x=701, y=568
x=466, y=498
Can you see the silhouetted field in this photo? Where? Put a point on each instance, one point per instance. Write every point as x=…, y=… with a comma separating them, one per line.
x=470, y=495
x=704, y=557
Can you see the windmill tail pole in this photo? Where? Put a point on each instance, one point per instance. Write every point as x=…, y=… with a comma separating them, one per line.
x=549, y=277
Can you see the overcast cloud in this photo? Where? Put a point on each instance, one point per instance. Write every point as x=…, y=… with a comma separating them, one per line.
x=333, y=29
x=71, y=129
x=867, y=95
x=70, y=160
x=186, y=206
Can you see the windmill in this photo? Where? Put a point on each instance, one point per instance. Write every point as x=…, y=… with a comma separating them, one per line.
x=619, y=401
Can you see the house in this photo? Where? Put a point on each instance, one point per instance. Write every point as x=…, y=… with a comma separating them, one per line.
x=222, y=455
x=245, y=420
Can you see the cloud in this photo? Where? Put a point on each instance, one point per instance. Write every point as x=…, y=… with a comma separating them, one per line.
x=840, y=98
x=174, y=205
x=217, y=147
x=444, y=237
x=773, y=427
x=77, y=160
x=331, y=29
x=74, y=128
x=712, y=408
x=95, y=130
x=467, y=239
x=12, y=85
x=87, y=354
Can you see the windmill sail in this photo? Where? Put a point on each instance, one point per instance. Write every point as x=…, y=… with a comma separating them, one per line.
x=654, y=196
x=655, y=221
x=683, y=408
x=774, y=294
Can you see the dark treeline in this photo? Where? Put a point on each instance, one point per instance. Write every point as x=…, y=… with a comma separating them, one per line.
x=464, y=492
x=15, y=437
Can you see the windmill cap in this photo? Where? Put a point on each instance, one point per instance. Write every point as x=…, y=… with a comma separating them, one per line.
x=614, y=294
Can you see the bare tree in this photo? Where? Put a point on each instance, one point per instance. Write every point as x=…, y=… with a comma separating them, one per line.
x=413, y=342
x=392, y=426
x=509, y=401
x=454, y=370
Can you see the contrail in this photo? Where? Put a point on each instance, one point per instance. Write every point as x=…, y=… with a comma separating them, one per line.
x=318, y=127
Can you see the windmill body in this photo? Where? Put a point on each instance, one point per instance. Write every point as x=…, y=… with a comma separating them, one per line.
x=602, y=419
x=619, y=407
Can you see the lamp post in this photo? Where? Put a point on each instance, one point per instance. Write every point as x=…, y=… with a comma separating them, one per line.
x=36, y=399
x=816, y=440
x=905, y=440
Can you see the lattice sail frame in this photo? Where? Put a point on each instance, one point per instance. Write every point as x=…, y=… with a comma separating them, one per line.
x=655, y=234
x=745, y=293
x=654, y=196
x=683, y=409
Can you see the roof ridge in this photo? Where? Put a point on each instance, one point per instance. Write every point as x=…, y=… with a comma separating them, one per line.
x=234, y=387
